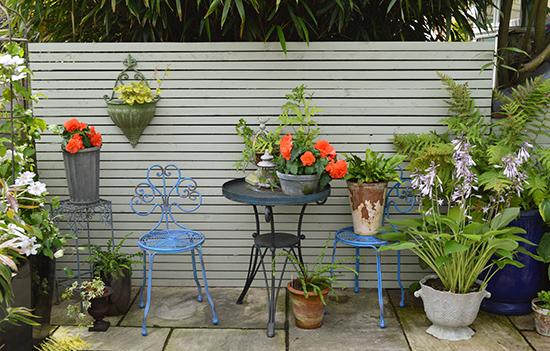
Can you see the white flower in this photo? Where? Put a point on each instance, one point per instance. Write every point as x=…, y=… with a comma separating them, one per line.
x=29, y=246
x=37, y=188
x=59, y=253
x=25, y=178
x=14, y=229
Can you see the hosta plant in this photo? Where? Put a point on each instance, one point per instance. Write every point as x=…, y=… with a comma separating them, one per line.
x=458, y=242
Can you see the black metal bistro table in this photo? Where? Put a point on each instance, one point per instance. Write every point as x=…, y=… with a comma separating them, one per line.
x=240, y=191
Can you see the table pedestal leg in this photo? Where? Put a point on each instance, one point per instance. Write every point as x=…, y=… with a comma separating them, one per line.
x=252, y=270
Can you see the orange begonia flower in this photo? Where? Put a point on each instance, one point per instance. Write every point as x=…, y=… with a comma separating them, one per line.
x=75, y=144
x=337, y=170
x=326, y=149
x=286, y=146
x=307, y=158
x=95, y=139
x=71, y=125
x=82, y=126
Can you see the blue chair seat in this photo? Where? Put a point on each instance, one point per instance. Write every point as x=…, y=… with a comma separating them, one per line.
x=171, y=241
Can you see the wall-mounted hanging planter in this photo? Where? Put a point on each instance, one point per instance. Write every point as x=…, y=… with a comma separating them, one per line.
x=135, y=107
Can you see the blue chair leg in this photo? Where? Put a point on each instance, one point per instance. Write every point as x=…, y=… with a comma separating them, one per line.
x=148, y=304
x=199, y=298
x=402, y=303
x=141, y=304
x=357, y=270
x=380, y=297
x=214, y=317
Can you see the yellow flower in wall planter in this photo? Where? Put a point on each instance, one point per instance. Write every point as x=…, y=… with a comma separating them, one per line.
x=135, y=107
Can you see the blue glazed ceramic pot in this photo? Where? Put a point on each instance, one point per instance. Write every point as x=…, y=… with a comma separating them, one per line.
x=513, y=288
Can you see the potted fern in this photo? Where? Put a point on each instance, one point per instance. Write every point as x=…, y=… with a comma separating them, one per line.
x=115, y=270
x=309, y=291
x=367, y=181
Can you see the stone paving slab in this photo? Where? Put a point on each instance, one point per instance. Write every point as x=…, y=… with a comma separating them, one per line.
x=119, y=338
x=178, y=307
x=351, y=323
x=492, y=332
x=224, y=339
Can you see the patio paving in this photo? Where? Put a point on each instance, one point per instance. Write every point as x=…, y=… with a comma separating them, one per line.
x=178, y=322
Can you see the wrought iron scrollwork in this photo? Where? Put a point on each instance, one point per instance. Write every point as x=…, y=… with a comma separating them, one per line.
x=130, y=63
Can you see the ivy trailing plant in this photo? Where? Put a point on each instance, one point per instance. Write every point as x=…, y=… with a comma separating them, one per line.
x=521, y=123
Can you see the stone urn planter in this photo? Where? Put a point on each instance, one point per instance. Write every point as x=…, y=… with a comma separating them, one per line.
x=450, y=313
x=308, y=312
x=367, y=202
x=298, y=185
x=82, y=173
x=542, y=317
x=98, y=311
x=131, y=119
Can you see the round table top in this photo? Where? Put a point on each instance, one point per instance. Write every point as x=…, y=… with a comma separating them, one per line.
x=240, y=191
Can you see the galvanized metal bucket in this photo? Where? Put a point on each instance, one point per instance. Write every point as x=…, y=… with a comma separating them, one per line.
x=131, y=119
x=82, y=172
x=298, y=185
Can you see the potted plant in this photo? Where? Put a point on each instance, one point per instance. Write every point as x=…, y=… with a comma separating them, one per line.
x=463, y=246
x=309, y=291
x=255, y=144
x=135, y=107
x=304, y=165
x=115, y=270
x=521, y=125
x=81, y=147
x=541, y=309
x=93, y=298
x=367, y=181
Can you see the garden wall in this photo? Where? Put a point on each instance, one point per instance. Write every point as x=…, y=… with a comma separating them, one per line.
x=368, y=91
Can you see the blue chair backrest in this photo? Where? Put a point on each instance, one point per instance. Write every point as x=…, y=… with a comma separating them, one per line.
x=162, y=191
x=400, y=196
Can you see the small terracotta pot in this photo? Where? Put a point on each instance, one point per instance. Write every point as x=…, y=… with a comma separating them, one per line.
x=542, y=317
x=308, y=312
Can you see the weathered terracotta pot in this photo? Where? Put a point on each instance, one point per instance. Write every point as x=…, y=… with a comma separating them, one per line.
x=542, y=317
x=450, y=313
x=367, y=206
x=308, y=312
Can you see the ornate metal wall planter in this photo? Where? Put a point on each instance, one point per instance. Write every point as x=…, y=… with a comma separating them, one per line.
x=131, y=119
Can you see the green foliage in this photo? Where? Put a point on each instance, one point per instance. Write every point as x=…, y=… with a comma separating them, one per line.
x=523, y=120
x=375, y=168
x=544, y=296
x=459, y=250
x=319, y=276
x=255, y=143
x=250, y=20
x=68, y=343
x=111, y=262
x=135, y=92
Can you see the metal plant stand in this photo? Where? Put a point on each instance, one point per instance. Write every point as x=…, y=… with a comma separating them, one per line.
x=238, y=190
x=77, y=217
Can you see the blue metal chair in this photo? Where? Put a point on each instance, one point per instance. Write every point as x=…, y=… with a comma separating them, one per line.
x=168, y=240
x=404, y=193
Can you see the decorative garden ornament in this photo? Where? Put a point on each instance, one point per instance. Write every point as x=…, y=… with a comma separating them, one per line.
x=136, y=104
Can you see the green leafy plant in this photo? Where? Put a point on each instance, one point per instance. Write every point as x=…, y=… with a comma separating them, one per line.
x=375, y=168
x=140, y=92
x=111, y=262
x=522, y=124
x=544, y=297
x=299, y=154
x=87, y=290
x=320, y=276
x=255, y=144
x=458, y=242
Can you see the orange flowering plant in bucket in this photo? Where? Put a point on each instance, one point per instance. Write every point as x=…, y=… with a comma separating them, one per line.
x=300, y=152
x=76, y=135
